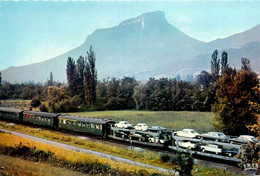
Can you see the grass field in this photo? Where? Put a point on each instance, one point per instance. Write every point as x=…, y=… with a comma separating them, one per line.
x=25, y=104
x=201, y=121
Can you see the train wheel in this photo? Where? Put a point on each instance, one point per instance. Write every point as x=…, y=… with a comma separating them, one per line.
x=203, y=150
x=216, y=153
x=139, y=139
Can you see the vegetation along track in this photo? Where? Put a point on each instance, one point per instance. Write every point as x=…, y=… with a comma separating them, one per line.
x=122, y=144
x=78, y=149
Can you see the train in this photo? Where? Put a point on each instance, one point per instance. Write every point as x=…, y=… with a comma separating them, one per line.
x=106, y=128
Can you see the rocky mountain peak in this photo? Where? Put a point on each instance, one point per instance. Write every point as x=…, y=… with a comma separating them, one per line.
x=150, y=17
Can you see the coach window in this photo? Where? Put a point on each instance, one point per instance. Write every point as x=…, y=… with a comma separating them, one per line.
x=83, y=124
x=92, y=125
x=100, y=127
x=97, y=126
x=88, y=125
x=79, y=124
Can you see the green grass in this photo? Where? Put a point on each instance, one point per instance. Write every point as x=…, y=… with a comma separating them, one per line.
x=201, y=121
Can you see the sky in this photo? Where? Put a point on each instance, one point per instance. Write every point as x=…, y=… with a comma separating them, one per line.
x=34, y=31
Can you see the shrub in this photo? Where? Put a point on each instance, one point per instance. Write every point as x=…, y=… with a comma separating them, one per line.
x=165, y=157
x=43, y=108
x=249, y=153
x=185, y=162
x=35, y=102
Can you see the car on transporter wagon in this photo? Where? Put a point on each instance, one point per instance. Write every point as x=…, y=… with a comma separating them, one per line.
x=189, y=133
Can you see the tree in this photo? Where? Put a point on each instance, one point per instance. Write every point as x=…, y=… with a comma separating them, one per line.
x=80, y=69
x=245, y=64
x=140, y=97
x=215, y=67
x=235, y=96
x=205, y=79
x=72, y=76
x=224, y=62
x=35, y=102
x=90, y=77
x=126, y=92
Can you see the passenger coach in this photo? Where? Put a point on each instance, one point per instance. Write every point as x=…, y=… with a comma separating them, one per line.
x=11, y=114
x=41, y=118
x=95, y=126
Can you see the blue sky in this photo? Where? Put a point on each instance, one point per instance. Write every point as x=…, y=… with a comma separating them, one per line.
x=36, y=31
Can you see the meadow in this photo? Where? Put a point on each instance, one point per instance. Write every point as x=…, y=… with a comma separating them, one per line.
x=176, y=120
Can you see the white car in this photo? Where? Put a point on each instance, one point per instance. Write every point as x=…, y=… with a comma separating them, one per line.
x=212, y=148
x=141, y=127
x=244, y=139
x=124, y=124
x=217, y=136
x=190, y=133
x=188, y=144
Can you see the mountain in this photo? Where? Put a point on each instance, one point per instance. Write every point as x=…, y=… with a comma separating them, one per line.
x=143, y=47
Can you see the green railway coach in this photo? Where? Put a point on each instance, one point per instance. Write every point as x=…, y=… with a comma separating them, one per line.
x=11, y=114
x=95, y=126
x=41, y=118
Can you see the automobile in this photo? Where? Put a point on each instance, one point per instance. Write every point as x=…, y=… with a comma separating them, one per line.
x=244, y=139
x=188, y=144
x=141, y=127
x=217, y=136
x=157, y=127
x=124, y=124
x=230, y=153
x=136, y=135
x=190, y=133
x=212, y=148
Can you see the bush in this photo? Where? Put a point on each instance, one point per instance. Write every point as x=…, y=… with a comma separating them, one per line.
x=43, y=108
x=35, y=102
x=185, y=162
x=249, y=153
x=165, y=157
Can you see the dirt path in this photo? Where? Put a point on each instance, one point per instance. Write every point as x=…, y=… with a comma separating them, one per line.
x=78, y=149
